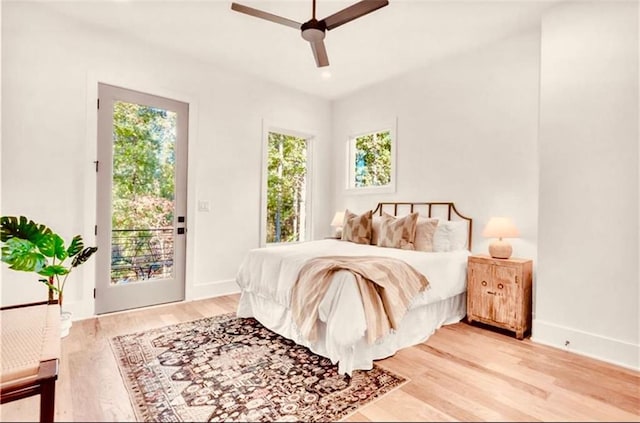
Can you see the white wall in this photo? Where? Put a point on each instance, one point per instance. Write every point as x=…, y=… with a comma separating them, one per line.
x=50, y=69
x=588, y=278
x=467, y=130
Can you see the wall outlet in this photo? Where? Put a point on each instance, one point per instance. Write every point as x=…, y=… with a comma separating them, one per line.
x=204, y=206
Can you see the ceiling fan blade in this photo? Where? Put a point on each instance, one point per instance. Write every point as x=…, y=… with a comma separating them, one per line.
x=319, y=53
x=353, y=12
x=265, y=15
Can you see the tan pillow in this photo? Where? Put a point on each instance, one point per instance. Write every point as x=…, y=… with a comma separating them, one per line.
x=375, y=229
x=398, y=232
x=425, y=228
x=357, y=228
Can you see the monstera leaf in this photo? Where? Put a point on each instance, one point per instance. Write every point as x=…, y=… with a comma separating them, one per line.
x=83, y=256
x=22, y=254
x=22, y=228
x=51, y=245
x=76, y=246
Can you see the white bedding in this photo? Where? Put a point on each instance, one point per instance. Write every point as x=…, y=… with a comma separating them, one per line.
x=266, y=277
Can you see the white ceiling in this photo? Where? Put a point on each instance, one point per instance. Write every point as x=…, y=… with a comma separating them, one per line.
x=405, y=35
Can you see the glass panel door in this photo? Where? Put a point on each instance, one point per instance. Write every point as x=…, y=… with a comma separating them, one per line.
x=142, y=142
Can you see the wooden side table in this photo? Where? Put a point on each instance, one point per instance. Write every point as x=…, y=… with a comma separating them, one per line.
x=499, y=292
x=30, y=353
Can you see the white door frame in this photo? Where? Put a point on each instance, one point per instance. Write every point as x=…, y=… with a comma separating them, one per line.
x=154, y=291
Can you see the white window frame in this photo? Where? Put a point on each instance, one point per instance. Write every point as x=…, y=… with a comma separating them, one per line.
x=390, y=126
x=309, y=136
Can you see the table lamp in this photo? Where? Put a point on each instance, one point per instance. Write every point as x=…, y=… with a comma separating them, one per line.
x=336, y=223
x=500, y=227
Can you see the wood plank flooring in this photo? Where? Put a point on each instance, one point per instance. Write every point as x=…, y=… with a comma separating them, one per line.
x=461, y=373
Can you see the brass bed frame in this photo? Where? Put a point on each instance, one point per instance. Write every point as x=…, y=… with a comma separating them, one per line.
x=428, y=209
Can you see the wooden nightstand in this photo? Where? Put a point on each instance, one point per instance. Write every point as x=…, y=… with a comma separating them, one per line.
x=499, y=292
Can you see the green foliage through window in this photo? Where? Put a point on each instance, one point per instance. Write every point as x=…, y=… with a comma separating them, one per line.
x=143, y=166
x=372, y=160
x=143, y=194
x=286, y=188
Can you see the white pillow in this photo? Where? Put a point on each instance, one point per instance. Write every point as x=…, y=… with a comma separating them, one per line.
x=450, y=235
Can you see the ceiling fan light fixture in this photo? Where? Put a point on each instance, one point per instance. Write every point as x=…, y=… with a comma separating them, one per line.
x=313, y=35
x=313, y=31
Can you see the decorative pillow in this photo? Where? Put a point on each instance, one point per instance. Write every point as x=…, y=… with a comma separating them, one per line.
x=450, y=235
x=398, y=232
x=375, y=229
x=357, y=228
x=425, y=228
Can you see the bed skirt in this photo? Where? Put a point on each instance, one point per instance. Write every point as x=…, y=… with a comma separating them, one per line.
x=417, y=325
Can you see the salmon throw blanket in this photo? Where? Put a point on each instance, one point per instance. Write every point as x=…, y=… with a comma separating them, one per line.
x=387, y=286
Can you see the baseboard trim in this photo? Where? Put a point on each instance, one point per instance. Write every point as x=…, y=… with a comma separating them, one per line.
x=212, y=289
x=591, y=345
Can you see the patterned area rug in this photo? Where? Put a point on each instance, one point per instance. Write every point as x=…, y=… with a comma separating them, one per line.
x=225, y=368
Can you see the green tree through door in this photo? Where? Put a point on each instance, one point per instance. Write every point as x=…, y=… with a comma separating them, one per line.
x=143, y=191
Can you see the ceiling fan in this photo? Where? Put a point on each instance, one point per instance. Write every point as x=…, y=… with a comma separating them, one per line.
x=314, y=30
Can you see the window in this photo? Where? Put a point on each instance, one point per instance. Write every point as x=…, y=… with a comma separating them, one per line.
x=286, y=189
x=372, y=161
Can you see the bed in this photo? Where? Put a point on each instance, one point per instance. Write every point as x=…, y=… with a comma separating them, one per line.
x=267, y=275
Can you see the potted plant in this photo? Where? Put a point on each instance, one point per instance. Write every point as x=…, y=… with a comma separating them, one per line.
x=33, y=247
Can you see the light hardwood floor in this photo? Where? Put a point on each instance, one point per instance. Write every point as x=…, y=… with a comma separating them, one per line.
x=461, y=373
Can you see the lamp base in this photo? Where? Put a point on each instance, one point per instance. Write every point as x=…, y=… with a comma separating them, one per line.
x=500, y=249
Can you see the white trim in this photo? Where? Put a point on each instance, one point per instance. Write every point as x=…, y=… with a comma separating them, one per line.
x=227, y=289
x=214, y=289
x=592, y=345
x=310, y=136
x=391, y=126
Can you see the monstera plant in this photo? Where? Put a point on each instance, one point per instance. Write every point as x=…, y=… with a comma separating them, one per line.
x=33, y=247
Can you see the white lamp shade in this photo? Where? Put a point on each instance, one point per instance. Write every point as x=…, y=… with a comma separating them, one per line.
x=500, y=227
x=338, y=219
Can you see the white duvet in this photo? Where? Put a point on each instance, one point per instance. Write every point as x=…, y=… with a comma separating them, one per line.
x=266, y=277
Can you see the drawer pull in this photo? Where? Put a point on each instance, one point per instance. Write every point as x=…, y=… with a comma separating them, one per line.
x=491, y=293
x=484, y=283
x=500, y=286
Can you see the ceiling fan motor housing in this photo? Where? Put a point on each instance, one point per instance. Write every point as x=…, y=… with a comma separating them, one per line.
x=313, y=30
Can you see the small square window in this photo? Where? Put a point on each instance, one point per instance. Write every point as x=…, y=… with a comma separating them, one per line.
x=371, y=166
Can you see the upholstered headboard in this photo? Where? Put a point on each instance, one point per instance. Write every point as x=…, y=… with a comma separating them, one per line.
x=441, y=210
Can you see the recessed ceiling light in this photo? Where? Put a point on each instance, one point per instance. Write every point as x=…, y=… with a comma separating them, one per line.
x=325, y=75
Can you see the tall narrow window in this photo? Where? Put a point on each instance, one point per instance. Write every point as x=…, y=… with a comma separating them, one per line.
x=287, y=181
x=371, y=161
